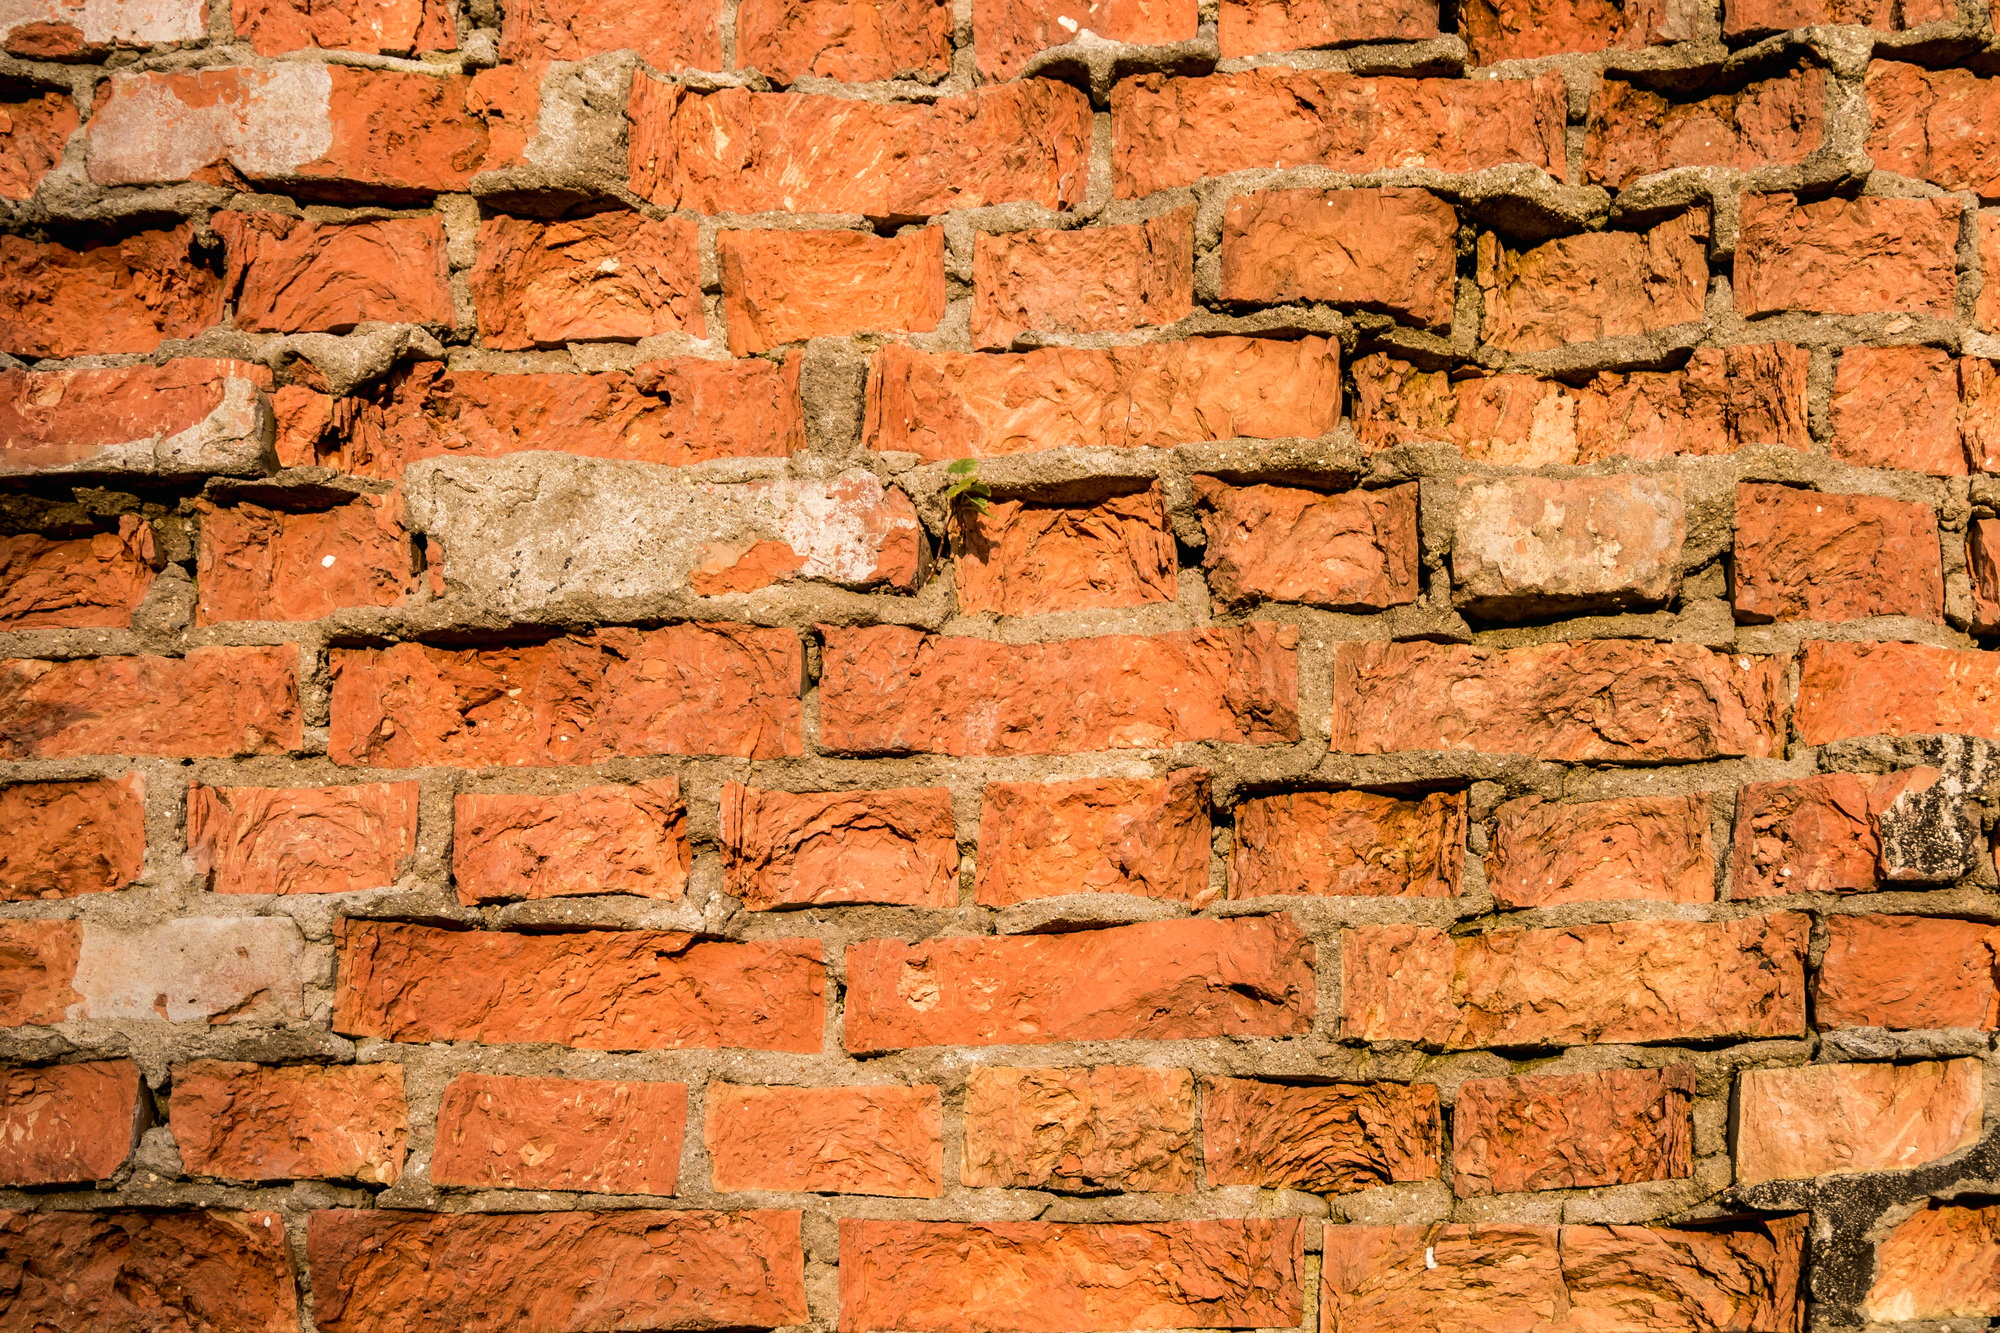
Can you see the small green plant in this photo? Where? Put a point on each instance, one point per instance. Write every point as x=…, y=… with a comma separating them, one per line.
x=967, y=486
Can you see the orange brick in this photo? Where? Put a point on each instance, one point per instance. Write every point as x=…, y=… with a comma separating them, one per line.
x=1020, y=557
x=861, y=1140
x=302, y=840
x=786, y=286
x=1348, y=844
x=593, y=1136
x=1086, y=280
x=1146, y=836
x=255, y=563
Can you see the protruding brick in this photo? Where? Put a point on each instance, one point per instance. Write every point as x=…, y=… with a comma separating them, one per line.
x=1252, y=27
x=943, y=405
x=858, y=41
x=1328, y=1139
x=68, y=1124
x=687, y=34
x=125, y=295
x=38, y=971
x=622, y=990
x=1392, y=250
x=1935, y=125
x=1633, y=981
x=787, y=286
x=191, y=417
x=576, y=1272
x=1941, y=1263
x=1986, y=308
x=1602, y=284
x=739, y=151
x=1147, y=836
x=1086, y=280
x=1819, y=834
x=295, y=1122
x=1982, y=559
x=302, y=840
x=220, y=702
x=1795, y=1124
x=1646, y=848
x=1112, y=1127
x=1348, y=844
x=891, y=689
x=193, y=969
x=1349, y=551
x=60, y=839
x=1744, y=18
x=386, y=27
x=1572, y=1131
x=1978, y=415
x=255, y=563
x=71, y=29
x=1632, y=131
x=1020, y=557
x=291, y=275
x=1007, y=34
x=862, y=1140
x=133, y=1272
x=964, y=1277
x=1159, y=981
x=1897, y=407
x=1168, y=131
x=33, y=133
x=685, y=689
x=591, y=1136
x=1499, y=30
x=1806, y=555
x=1526, y=546
x=1623, y=699
x=80, y=583
x=1847, y=256
x=610, y=275
x=613, y=839
x=788, y=849
x=1908, y=972
x=1895, y=689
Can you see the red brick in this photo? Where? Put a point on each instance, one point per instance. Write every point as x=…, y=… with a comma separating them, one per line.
x=788, y=849
x=1797, y=1124
x=738, y=151
x=672, y=412
x=688, y=33
x=218, y=702
x=1525, y=547
x=1465, y=1279
x=385, y=27
x=33, y=132
x=786, y=286
x=1986, y=310
x=1327, y=1139
x=891, y=689
x=1632, y=131
x=1896, y=407
x=1572, y=1131
x=1168, y=132
x=610, y=275
x=623, y=990
x=68, y=1124
x=1895, y=689
x=1908, y=972
x=1351, y=551
x=243, y=1121
x=289, y=275
x=1847, y=256
x=192, y=416
x=1147, y=836
x=1165, y=980
x=508, y=98
x=104, y=297
x=1602, y=284
x=302, y=840
x=1978, y=418
x=1622, y=699
x=82, y=583
x=1115, y=1127
x=384, y=1271
x=1085, y=280
x=1749, y=17
x=1007, y=34
x=1498, y=30
x=1982, y=558
x=1643, y=848
x=1393, y=250
x=685, y=689
x=1634, y=981
x=60, y=839
x=612, y=839
x=875, y=1140
x=305, y=124
x=1251, y=27
x=1804, y=555
x=1040, y=1277
x=1348, y=844
x=255, y=563
x=595, y=1137
x=1022, y=558
x=69, y=29
x=942, y=405
x=1941, y=1263
x=855, y=40
x=1935, y=125
x=134, y=1272
x=37, y=969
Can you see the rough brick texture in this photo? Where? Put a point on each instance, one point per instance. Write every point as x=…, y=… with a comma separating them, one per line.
x=246, y=1122
x=885, y=1141
x=59, y=839
x=66, y=1124
x=1148, y=836
x=1079, y=1130
x=598, y=1137
x=305, y=840
x=1331, y=1139
x=1570, y=1131
x=623, y=839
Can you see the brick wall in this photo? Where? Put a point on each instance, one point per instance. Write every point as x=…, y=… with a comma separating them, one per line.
x=1441, y=779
